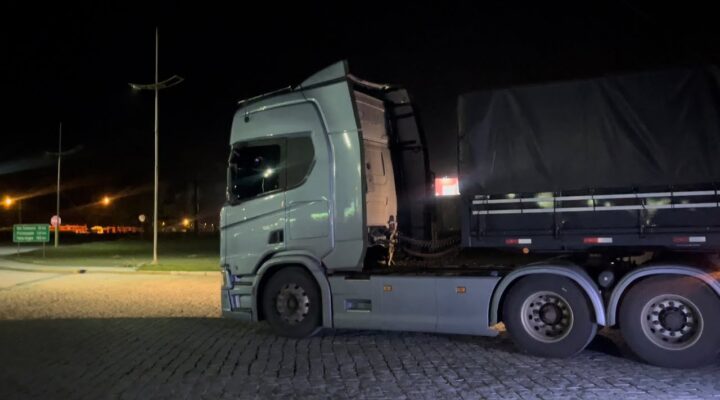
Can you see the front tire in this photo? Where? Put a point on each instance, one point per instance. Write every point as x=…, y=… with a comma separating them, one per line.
x=671, y=322
x=291, y=303
x=548, y=316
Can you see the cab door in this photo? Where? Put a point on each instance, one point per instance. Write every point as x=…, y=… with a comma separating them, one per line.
x=253, y=220
x=308, y=180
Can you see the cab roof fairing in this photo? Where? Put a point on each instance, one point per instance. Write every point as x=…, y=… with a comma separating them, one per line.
x=332, y=74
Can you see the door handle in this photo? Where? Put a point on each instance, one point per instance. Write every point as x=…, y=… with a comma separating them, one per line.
x=276, y=236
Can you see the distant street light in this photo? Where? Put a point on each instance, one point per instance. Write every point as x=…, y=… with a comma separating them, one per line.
x=170, y=82
x=9, y=201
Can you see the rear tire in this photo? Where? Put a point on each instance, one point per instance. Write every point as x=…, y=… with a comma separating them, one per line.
x=548, y=316
x=291, y=303
x=671, y=321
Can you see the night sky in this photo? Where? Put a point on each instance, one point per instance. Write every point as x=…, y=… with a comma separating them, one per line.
x=72, y=64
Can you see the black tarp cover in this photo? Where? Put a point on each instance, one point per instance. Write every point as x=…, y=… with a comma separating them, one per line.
x=657, y=128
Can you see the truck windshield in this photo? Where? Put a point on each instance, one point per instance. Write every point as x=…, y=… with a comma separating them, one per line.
x=254, y=170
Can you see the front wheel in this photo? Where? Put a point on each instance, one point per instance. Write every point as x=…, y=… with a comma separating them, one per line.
x=291, y=303
x=548, y=316
x=671, y=321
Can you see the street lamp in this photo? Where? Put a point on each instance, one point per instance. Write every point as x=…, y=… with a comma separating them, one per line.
x=9, y=201
x=170, y=82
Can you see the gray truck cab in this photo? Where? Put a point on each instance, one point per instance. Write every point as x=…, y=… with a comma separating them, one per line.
x=312, y=174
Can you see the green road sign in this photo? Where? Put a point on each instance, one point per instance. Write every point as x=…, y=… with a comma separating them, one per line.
x=31, y=233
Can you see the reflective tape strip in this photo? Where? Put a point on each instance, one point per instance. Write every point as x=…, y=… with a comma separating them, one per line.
x=597, y=240
x=689, y=239
x=518, y=241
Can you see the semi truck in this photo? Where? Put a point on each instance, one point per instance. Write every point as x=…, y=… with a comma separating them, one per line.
x=584, y=205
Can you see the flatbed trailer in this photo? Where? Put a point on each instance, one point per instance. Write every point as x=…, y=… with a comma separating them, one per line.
x=327, y=226
x=616, y=161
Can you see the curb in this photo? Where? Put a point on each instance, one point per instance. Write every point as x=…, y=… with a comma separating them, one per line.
x=79, y=270
x=192, y=273
x=55, y=271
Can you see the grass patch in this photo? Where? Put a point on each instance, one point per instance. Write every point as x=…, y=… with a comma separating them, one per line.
x=174, y=254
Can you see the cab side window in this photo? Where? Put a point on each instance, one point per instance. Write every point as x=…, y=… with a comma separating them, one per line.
x=255, y=169
x=260, y=167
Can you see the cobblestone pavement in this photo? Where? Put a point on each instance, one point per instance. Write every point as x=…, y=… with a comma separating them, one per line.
x=186, y=354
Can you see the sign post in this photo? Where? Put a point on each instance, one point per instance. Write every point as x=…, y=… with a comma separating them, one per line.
x=31, y=233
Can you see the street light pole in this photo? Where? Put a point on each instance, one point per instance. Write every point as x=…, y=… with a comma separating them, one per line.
x=57, y=203
x=157, y=154
x=172, y=81
x=59, y=155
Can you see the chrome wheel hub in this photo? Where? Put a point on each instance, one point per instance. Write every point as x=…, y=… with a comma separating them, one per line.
x=292, y=303
x=547, y=316
x=671, y=322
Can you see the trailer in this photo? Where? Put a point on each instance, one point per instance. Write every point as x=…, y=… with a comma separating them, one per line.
x=583, y=205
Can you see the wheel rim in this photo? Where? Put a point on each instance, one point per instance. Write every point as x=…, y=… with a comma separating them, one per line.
x=671, y=322
x=292, y=303
x=547, y=316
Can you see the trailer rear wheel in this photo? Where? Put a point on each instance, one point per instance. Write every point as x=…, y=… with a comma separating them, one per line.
x=671, y=321
x=548, y=316
x=291, y=303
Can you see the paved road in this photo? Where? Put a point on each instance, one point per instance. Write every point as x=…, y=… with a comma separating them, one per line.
x=158, y=336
